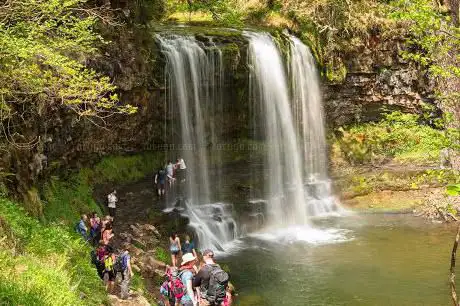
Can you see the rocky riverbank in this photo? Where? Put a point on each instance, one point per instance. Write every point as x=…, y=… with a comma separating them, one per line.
x=143, y=228
x=399, y=188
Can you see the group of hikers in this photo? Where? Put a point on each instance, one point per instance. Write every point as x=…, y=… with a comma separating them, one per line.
x=190, y=283
x=194, y=283
x=99, y=233
x=166, y=177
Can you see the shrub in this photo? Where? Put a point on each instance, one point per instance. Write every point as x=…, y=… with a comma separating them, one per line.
x=162, y=255
x=397, y=135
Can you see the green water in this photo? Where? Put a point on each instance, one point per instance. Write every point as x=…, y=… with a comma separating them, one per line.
x=383, y=260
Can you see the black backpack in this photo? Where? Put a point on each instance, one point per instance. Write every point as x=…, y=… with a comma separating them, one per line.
x=94, y=259
x=218, y=283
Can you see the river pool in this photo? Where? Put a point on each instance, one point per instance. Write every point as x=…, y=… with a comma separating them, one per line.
x=381, y=259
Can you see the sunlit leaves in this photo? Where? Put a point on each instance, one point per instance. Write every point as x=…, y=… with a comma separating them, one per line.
x=453, y=190
x=44, y=47
x=432, y=35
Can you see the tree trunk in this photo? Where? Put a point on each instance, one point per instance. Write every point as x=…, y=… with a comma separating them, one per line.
x=452, y=268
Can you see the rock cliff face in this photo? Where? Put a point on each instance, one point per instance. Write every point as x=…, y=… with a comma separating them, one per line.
x=377, y=79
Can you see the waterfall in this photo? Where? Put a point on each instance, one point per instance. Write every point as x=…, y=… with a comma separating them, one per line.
x=194, y=78
x=269, y=88
x=285, y=111
x=297, y=186
x=308, y=109
x=309, y=119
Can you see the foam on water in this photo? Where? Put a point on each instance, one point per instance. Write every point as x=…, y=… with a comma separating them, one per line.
x=304, y=234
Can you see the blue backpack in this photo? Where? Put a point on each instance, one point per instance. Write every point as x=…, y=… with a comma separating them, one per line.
x=121, y=263
x=77, y=228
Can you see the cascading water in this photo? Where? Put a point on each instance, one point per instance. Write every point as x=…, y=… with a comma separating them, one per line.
x=286, y=110
x=269, y=88
x=307, y=109
x=297, y=185
x=194, y=85
x=309, y=119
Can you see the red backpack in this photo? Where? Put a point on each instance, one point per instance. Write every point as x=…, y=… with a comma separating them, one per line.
x=177, y=287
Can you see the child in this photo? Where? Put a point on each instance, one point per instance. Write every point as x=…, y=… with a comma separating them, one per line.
x=229, y=295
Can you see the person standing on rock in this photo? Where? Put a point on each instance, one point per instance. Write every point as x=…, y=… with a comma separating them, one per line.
x=160, y=182
x=81, y=227
x=107, y=234
x=180, y=170
x=188, y=246
x=109, y=272
x=174, y=248
x=170, y=173
x=112, y=203
x=124, y=267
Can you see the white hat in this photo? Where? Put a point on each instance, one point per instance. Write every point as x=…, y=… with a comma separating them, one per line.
x=187, y=258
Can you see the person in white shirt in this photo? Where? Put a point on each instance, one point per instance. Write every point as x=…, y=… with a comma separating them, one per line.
x=170, y=173
x=180, y=170
x=112, y=203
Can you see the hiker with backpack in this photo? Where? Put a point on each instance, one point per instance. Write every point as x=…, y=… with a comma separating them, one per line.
x=123, y=265
x=174, y=248
x=166, y=289
x=100, y=253
x=95, y=224
x=211, y=282
x=109, y=270
x=186, y=272
x=160, y=182
x=81, y=228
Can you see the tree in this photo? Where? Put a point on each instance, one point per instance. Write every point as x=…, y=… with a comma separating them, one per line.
x=44, y=47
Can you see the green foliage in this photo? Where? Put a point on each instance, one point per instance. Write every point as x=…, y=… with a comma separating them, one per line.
x=398, y=136
x=332, y=27
x=436, y=177
x=162, y=255
x=124, y=169
x=359, y=183
x=225, y=12
x=44, y=265
x=453, y=190
x=433, y=37
x=451, y=209
x=44, y=45
x=67, y=199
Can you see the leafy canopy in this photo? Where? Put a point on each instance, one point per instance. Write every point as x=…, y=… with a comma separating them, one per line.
x=44, y=48
x=433, y=36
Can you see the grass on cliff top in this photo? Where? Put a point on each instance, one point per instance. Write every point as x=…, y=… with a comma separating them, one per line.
x=67, y=198
x=44, y=265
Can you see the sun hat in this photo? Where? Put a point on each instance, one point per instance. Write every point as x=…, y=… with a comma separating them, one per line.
x=187, y=258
